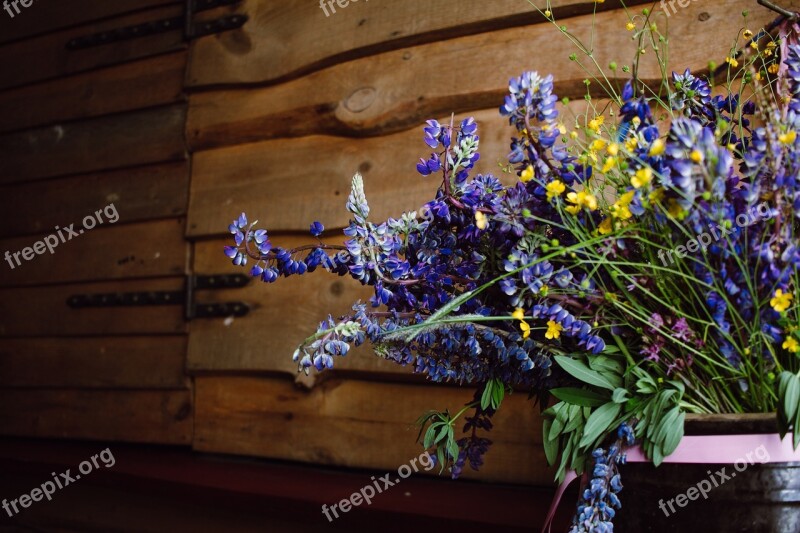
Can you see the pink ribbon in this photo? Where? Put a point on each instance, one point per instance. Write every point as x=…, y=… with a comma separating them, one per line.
x=706, y=449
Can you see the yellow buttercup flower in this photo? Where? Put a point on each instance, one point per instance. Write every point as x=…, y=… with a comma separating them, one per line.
x=657, y=148
x=791, y=345
x=555, y=188
x=657, y=195
x=519, y=314
x=732, y=62
x=605, y=226
x=527, y=174
x=642, y=178
x=580, y=200
x=613, y=149
x=597, y=145
x=620, y=208
x=788, y=138
x=610, y=163
x=781, y=301
x=553, y=329
x=526, y=329
x=696, y=156
x=481, y=220
x=747, y=34
x=754, y=45
x=630, y=26
x=773, y=68
x=595, y=123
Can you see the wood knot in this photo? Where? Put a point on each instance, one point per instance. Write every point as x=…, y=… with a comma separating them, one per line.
x=336, y=288
x=704, y=16
x=360, y=99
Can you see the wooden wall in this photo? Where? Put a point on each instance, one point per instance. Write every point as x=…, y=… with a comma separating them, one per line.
x=80, y=130
x=272, y=119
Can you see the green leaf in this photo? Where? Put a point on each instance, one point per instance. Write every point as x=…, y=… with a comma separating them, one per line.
x=604, y=364
x=620, y=395
x=486, y=397
x=441, y=435
x=452, y=449
x=560, y=419
x=576, y=419
x=674, y=434
x=797, y=430
x=498, y=394
x=581, y=397
x=430, y=436
x=791, y=398
x=550, y=445
x=611, y=349
x=599, y=423
x=579, y=370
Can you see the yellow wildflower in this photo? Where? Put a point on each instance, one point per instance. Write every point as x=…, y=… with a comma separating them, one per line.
x=732, y=62
x=553, y=329
x=519, y=314
x=657, y=148
x=527, y=174
x=620, y=208
x=580, y=200
x=791, y=345
x=781, y=301
x=555, y=188
x=613, y=149
x=773, y=68
x=747, y=34
x=547, y=13
x=754, y=45
x=788, y=137
x=642, y=178
x=595, y=123
x=696, y=156
x=609, y=164
x=597, y=145
x=605, y=226
x=481, y=220
x=630, y=26
x=526, y=329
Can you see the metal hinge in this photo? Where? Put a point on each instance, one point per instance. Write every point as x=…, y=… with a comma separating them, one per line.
x=185, y=21
x=184, y=297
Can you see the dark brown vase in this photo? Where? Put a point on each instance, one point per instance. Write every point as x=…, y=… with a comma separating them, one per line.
x=764, y=498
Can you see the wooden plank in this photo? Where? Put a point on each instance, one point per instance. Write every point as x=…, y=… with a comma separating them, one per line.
x=274, y=44
x=395, y=90
x=163, y=417
x=43, y=311
x=46, y=57
x=112, y=362
x=355, y=423
x=282, y=315
x=109, y=251
x=147, y=83
x=148, y=192
x=136, y=138
x=43, y=17
x=289, y=183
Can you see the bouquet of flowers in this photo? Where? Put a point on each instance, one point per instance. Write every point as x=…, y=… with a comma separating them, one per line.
x=638, y=269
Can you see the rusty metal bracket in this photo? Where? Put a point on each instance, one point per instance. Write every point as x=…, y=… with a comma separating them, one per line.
x=191, y=30
x=185, y=297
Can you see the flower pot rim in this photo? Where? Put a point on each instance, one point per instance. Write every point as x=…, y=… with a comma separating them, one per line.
x=731, y=423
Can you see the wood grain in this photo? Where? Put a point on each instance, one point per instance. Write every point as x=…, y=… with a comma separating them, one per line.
x=288, y=183
x=355, y=424
x=136, y=138
x=140, y=84
x=143, y=193
x=91, y=363
x=46, y=57
x=395, y=90
x=275, y=42
x=43, y=17
x=43, y=311
x=107, y=252
x=163, y=417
